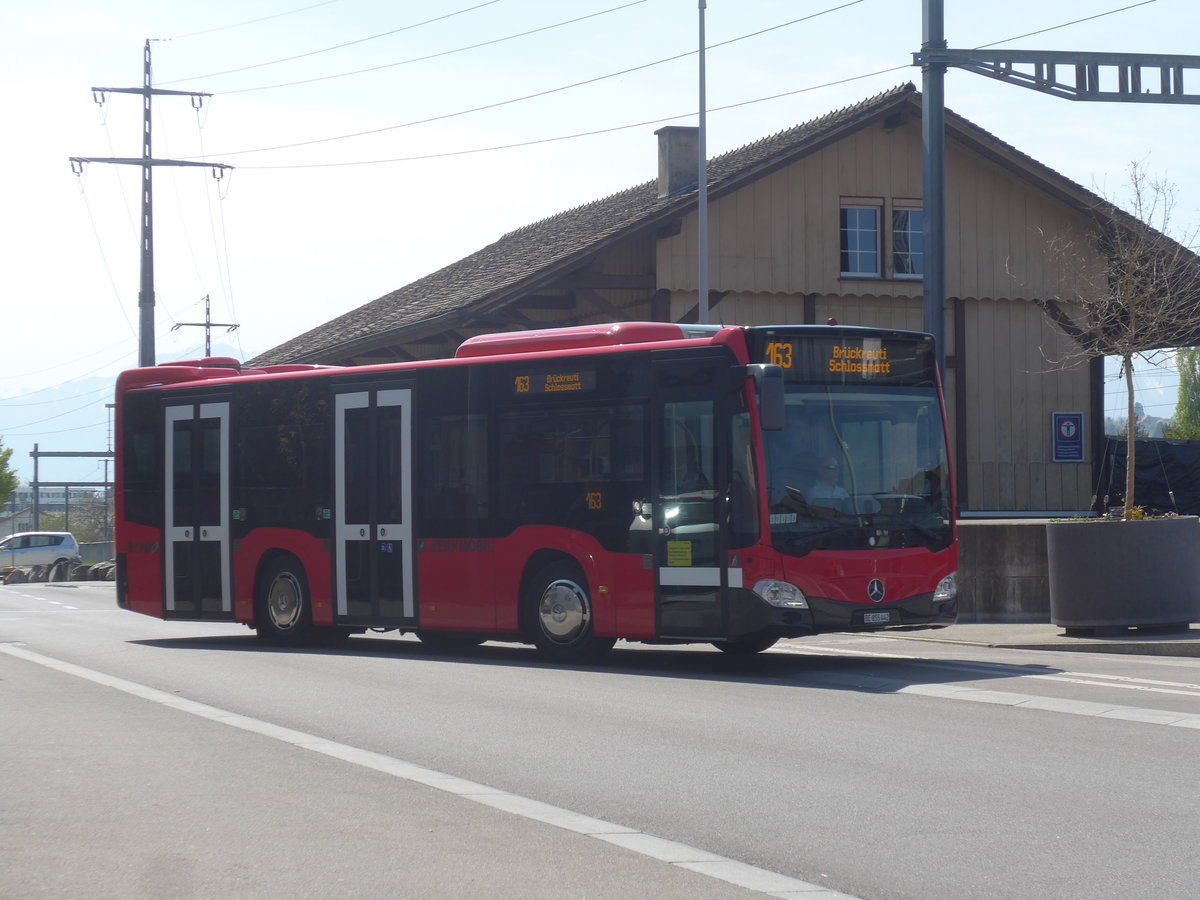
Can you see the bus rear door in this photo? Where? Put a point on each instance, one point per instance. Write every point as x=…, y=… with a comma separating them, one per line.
x=374, y=577
x=196, y=495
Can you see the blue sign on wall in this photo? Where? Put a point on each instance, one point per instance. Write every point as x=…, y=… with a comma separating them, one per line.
x=1068, y=436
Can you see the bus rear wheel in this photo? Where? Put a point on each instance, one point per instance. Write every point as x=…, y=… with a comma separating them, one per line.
x=284, y=610
x=559, y=616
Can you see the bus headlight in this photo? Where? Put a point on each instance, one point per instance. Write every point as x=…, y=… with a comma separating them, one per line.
x=947, y=588
x=781, y=594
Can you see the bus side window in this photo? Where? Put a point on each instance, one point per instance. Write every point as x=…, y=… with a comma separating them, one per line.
x=455, y=462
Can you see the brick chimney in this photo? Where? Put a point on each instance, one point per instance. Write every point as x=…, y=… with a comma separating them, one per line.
x=678, y=159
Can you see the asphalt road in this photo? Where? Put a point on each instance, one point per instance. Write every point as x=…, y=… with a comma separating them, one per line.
x=874, y=767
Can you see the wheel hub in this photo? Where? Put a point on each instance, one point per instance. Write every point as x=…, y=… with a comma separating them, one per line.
x=563, y=611
x=283, y=601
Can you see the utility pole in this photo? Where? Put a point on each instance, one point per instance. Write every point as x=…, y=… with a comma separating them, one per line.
x=208, y=325
x=702, y=200
x=147, y=162
x=933, y=162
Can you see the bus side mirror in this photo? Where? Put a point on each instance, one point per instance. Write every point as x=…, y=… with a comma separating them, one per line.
x=768, y=383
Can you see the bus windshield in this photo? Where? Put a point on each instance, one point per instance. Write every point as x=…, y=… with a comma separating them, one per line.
x=858, y=467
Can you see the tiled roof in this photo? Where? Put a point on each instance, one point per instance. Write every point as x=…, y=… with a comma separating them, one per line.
x=530, y=255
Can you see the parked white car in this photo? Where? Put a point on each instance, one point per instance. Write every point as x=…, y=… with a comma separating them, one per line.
x=37, y=548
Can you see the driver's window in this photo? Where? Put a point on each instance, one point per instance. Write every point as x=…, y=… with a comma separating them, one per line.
x=687, y=450
x=687, y=484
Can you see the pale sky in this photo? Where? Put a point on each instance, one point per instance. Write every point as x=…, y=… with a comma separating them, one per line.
x=313, y=222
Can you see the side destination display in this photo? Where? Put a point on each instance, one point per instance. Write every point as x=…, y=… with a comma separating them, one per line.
x=576, y=381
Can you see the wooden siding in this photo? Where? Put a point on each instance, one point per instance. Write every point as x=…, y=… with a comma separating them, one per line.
x=780, y=234
x=1013, y=386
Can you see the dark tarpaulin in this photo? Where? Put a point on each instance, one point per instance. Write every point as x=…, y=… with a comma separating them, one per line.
x=1166, y=476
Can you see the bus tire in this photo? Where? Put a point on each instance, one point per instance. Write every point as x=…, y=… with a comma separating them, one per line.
x=746, y=646
x=283, y=613
x=560, y=618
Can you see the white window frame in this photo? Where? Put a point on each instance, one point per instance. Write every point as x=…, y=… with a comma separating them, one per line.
x=860, y=205
x=906, y=206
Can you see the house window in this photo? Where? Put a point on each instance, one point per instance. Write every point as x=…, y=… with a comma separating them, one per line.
x=860, y=241
x=908, y=243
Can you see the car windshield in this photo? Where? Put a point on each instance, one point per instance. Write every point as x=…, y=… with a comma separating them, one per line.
x=858, y=468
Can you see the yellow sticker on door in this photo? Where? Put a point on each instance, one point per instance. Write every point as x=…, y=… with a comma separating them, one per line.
x=679, y=553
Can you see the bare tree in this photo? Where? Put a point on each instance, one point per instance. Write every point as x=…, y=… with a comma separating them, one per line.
x=1130, y=290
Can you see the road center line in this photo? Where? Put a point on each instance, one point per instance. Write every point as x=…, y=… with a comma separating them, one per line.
x=691, y=858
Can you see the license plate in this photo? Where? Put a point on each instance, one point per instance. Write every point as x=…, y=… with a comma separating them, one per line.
x=877, y=618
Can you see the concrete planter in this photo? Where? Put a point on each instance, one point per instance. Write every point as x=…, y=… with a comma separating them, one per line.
x=1110, y=574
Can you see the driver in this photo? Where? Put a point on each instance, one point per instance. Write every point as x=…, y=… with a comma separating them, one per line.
x=827, y=486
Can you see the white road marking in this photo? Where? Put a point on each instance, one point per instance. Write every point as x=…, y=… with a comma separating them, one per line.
x=1127, y=684
x=1122, y=682
x=1010, y=698
x=728, y=870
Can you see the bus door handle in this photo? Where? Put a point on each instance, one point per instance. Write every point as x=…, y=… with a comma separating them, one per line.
x=665, y=531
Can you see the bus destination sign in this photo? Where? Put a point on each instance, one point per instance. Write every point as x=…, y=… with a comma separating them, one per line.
x=573, y=382
x=848, y=359
x=865, y=361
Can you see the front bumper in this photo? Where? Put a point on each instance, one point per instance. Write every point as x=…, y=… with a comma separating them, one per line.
x=751, y=615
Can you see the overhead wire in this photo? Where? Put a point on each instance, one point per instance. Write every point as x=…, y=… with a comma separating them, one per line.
x=581, y=134
x=41, y=433
x=373, y=37
x=292, y=12
x=1065, y=24
x=221, y=251
x=429, y=56
x=183, y=218
x=549, y=91
x=642, y=124
x=55, y=416
x=104, y=261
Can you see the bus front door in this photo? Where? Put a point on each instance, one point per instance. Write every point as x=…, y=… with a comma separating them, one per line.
x=196, y=563
x=691, y=580
x=373, y=528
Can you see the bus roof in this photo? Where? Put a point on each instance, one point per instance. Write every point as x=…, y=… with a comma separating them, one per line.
x=581, y=337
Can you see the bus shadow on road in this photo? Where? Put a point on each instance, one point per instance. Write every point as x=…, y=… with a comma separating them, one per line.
x=790, y=667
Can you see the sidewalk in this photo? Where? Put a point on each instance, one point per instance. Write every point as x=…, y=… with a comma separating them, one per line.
x=1044, y=636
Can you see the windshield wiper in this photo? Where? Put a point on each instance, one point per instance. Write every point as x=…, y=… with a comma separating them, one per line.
x=802, y=539
x=892, y=521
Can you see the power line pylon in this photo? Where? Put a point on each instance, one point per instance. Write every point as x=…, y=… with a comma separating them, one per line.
x=208, y=325
x=147, y=162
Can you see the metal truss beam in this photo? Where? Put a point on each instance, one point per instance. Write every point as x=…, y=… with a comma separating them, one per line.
x=1072, y=75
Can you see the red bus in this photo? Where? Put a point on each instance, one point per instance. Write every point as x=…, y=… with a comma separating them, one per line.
x=564, y=487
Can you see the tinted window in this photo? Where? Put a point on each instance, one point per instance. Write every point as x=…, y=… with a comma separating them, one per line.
x=141, y=459
x=281, y=441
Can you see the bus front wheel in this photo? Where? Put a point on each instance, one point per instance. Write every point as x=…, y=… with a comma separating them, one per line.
x=284, y=613
x=559, y=615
